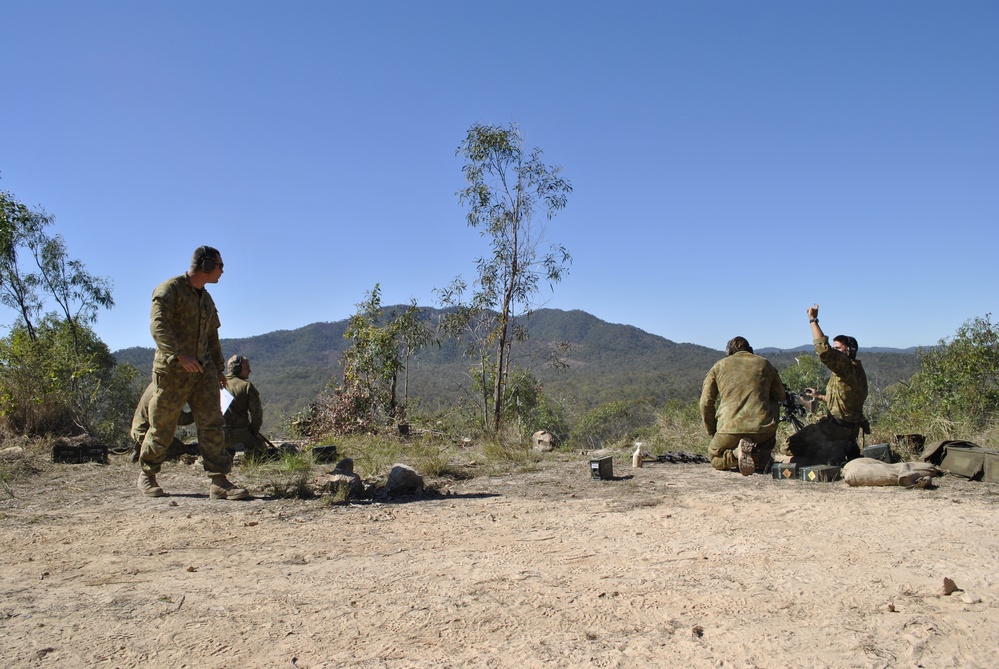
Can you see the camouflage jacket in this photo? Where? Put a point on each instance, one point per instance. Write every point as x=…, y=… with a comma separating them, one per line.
x=741, y=395
x=846, y=391
x=245, y=411
x=184, y=320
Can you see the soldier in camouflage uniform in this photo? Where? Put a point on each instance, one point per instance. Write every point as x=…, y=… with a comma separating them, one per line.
x=740, y=403
x=833, y=439
x=140, y=425
x=187, y=368
x=245, y=415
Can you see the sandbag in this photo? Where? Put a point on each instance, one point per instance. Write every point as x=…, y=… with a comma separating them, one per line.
x=871, y=472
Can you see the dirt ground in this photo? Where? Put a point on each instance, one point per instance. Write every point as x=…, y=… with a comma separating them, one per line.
x=665, y=566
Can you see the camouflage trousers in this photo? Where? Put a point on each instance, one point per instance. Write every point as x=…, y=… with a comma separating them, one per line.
x=722, y=447
x=201, y=391
x=824, y=442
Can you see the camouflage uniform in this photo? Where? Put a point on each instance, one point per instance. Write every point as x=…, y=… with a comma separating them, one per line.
x=244, y=417
x=140, y=425
x=833, y=439
x=740, y=399
x=183, y=320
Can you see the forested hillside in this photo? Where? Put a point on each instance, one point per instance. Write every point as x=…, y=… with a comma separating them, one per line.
x=605, y=362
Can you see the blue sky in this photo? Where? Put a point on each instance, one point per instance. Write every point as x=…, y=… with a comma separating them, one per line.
x=732, y=161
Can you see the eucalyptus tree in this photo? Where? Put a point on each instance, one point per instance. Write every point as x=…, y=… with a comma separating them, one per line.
x=506, y=189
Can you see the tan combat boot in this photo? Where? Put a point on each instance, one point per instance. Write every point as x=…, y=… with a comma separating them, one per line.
x=746, y=463
x=222, y=488
x=147, y=484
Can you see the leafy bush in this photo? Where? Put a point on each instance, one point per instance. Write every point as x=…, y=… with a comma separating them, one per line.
x=64, y=383
x=611, y=422
x=956, y=391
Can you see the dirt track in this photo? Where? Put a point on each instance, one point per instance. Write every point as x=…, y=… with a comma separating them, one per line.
x=670, y=565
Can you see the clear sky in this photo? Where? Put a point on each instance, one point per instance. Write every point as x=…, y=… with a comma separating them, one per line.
x=732, y=162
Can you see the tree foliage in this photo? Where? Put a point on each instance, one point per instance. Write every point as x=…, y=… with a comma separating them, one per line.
x=382, y=344
x=56, y=375
x=505, y=188
x=36, y=270
x=958, y=381
x=805, y=372
x=64, y=382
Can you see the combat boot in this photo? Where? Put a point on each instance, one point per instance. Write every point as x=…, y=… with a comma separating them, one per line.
x=223, y=488
x=746, y=463
x=147, y=484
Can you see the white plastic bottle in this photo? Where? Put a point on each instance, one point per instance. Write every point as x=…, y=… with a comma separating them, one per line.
x=636, y=457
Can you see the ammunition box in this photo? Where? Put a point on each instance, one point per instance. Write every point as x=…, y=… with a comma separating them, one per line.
x=880, y=452
x=819, y=473
x=602, y=468
x=324, y=454
x=75, y=454
x=784, y=471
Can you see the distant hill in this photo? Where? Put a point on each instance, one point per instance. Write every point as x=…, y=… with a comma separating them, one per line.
x=606, y=362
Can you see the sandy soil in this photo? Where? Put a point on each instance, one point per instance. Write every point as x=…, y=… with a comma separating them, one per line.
x=666, y=566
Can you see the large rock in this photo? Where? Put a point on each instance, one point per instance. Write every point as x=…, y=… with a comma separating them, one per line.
x=12, y=453
x=403, y=480
x=345, y=485
x=543, y=440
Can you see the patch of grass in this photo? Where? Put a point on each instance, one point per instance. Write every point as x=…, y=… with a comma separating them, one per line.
x=295, y=486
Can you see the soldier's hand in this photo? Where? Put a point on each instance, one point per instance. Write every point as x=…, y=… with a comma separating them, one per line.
x=813, y=311
x=223, y=382
x=189, y=363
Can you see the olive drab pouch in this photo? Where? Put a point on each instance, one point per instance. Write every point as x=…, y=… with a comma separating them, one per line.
x=966, y=462
x=935, y=451
x=965, y=459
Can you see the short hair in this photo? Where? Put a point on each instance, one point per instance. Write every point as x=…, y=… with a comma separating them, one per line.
x=736, y=344
x=850, y=343
x=201, y=254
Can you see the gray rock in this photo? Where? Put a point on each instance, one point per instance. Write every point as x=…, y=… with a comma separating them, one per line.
x=348, y=485
x=403, y=480
x=345, y=466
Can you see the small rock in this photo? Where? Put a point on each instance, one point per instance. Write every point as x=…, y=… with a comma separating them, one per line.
x=949, y=587
x=697, y=631
x=969, y=598
x=891, y=607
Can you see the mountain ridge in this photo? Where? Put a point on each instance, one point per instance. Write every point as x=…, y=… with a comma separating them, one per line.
x=606, y=361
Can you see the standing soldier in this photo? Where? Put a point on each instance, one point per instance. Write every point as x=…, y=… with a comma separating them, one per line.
x=187, y=368
x=740, y=404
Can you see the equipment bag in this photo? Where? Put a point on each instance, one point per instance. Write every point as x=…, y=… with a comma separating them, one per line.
x=965, y=459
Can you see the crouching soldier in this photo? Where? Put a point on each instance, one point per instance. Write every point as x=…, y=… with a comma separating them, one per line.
x=245, y=415
x=740, y=404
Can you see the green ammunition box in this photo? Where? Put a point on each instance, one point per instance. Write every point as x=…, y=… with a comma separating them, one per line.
x=324, y=453
x=785, y=471
x=819, y=473
x=77, y=453
x=880, y=452
x=602, y=468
